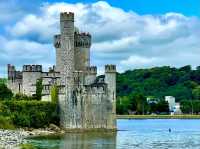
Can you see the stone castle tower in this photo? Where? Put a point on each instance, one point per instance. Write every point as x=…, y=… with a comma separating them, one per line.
x=86, y=101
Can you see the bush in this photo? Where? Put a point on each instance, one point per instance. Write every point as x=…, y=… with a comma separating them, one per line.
x=20, y=96
x=5, y=93
x=6, y=123
x=30, y=113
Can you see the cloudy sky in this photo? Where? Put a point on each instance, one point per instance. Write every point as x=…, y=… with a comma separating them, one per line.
x=129, y=33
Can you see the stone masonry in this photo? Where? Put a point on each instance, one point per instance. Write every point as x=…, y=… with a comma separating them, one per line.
x=86, y=101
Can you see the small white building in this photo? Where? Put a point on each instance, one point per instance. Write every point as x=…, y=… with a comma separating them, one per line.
x=171, y=102
x=174, y=107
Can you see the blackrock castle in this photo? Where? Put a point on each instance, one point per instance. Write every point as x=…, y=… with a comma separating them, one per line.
x=86, y=101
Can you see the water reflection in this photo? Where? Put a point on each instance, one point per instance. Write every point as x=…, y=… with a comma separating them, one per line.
x=89, y=140
x=95, y=140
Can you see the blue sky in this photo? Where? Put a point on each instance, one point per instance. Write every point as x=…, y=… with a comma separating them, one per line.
x=129, y=33
x=186, y=7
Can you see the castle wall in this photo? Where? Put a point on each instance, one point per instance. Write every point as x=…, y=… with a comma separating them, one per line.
x=15, y=85
x=14, y=79
x=90, y=108
x=90, y=75
x=30, y=75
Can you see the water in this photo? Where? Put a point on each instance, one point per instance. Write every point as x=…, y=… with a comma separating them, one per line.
x=132, y=134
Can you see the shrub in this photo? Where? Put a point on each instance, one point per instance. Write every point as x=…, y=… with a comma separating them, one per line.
x=6, y=123
x=5, y=93
x=20, y=96
x=31, y=113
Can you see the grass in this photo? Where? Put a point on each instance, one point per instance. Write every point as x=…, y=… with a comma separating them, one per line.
x=188, y=116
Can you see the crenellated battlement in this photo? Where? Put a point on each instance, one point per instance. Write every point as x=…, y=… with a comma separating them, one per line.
x=110, y=68
x=67, y=16
x=32, y=68
x=91, y=70
x=57, y=41
x=82, y=39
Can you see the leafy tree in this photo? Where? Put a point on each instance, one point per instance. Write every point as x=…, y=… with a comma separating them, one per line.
x=54, y=94
x=139, y=100
x=39, y=88
x=123, y=105
x=5, y=93
x=196, y=93
x=162, y=107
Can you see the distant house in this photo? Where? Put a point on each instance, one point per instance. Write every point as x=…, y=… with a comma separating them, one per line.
x=152, y=100
x=174, y=107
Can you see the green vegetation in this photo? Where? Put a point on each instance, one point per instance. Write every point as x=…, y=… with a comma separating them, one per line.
x=3, y=80
x=137, y=104
x=190, y=106
x=30, y=113
x=6, y=123
x=39, y=88
x=182, y=83
x=5, y=93
x=23, y=111
x=54, y=94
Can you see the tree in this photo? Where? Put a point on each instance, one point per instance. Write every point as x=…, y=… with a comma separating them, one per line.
x=162, y=107
x=196, y=93
x=141, y=103
x=123, y=105
x=5, y=93
x=54, y=94
x=39, y=88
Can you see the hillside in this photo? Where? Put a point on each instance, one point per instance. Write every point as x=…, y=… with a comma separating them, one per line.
x=182, y=83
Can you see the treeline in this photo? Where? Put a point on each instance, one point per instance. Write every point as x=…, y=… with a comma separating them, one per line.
x=137, y=104
x=182, y=83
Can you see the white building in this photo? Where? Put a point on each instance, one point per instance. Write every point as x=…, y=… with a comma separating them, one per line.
x=171, y=102
x=174, y=107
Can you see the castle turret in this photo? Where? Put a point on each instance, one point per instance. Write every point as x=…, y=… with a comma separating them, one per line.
x=90, y=76
x=67, y=44
x=82, y=50
x=14, y=79
x=11, y=72
x=110, y=80
x=67, y=71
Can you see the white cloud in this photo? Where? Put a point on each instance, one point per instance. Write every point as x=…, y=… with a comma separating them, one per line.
x=124, y=38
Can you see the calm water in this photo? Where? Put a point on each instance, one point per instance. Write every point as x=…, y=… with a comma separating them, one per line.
x=132, y=134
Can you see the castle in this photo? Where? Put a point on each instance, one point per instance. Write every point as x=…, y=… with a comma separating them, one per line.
x=86, y=101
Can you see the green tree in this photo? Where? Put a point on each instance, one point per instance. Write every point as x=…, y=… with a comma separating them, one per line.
x=196, y=93
x=39, y=88
x=141, y=103
x=5, y=93
x=162, y=107
x=54, y=93
x=123, y=105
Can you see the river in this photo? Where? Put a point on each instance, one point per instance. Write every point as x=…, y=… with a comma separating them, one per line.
x=131, y=134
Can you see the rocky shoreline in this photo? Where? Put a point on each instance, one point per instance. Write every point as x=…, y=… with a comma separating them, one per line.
x=11, y=139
